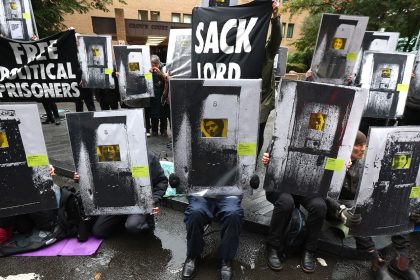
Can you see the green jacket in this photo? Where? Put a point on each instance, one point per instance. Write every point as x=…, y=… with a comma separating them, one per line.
x=268, y=81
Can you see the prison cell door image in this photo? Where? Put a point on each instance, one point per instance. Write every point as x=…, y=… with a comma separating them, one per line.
x=113, y=181
x=334, y=61
x=16, y=186
x=14, y=18
x=389, y=205
x=313, y=141
x=214, y=155
x=136, y=82
x=97, y=61
x=182, y=52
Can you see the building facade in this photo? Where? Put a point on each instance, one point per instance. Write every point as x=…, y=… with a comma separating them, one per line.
x=148, y=22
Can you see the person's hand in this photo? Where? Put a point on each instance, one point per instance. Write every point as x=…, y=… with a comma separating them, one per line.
x=81, y=83
x=413, y=75
x=34, y=38
x=265, y=158
x=117, y=74
x=155, y=211
x=155, y=70
x=349, y=164
x=51, y=170
x=76, y=177
x=415, y=216
x=275, y=5
x=349, y=219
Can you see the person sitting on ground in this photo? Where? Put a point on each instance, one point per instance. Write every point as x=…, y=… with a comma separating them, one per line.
x=106, y=225
x=284, y=203
x=400, y=264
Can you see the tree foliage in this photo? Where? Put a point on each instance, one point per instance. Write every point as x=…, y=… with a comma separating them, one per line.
x=394, y=16
x=49, y=13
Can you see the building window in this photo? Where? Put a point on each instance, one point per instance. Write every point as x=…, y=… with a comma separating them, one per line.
x=143, y=15
x=155, y=16
x=187, y=18
x=176, y=17
x=290, y=28
x=283, y=28
x=285, y=1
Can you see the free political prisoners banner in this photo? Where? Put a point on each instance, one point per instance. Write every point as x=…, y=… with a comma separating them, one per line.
x=229, y=42
x=39, y=70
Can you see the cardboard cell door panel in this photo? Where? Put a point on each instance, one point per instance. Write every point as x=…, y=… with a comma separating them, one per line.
x=388, y=189
x=215, y=127
x=178, y=59
x=110, y=154
x=95, y=55
x=338, y=43
x=16, y=20
x=314, y=132
x=25, y=184
x=135, y=80
x=387, y=76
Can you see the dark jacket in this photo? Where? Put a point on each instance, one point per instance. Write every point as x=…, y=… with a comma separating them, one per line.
x=268, y=80
x=157, y=177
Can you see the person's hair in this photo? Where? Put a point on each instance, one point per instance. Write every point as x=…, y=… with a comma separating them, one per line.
x=155, y=59
x=218, y=122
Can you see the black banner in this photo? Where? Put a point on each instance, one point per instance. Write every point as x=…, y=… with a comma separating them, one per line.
x=229, y=42
x=39, y=70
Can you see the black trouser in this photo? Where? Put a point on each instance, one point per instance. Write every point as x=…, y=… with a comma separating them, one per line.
x=43, y=220
x=411, y=116
x=51, y=110
x=87, y=97
x=261, y=137
x=108, y=101
x=107, y=225
x=284, y=204
x=401, y=243
x=147, y=119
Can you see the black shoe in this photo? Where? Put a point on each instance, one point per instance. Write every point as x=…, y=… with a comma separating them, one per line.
x=226, y=271
x=47, y=121
x=273, y=260
x=379, y=270
x=308, y=262
x=57, y=122
x=189, y=269
x=409, y=273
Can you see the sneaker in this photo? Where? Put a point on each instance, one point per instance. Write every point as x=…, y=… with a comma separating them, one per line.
x=147, y=134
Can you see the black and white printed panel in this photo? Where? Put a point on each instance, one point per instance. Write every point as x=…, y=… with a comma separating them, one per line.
x=178, y=59
x=339, y=41
x=280, y=62
x=414, y=91
x=133, y=65
x=25, y=184
x=387, y=76
x=215, y=133
x=376, y=41
x=390, y=185
x=110, y=154
x=314, y=132
x=218, y=3
x=95, y=55
x=16, y=20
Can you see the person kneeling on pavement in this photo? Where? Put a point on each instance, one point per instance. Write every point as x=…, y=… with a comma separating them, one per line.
x=400, y=264
x=284, y=204
x=106, y=225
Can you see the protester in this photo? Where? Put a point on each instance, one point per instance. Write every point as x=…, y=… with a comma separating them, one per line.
x=412, y=107
x=268, y=91
x=109, y=98
x=52, y=112
x=284, y=204
x=400, y=264
x=106, y=225
x=157, y=112
x=86, y=97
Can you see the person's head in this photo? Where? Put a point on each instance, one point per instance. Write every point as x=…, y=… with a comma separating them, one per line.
x=214, y=127
x=400, y=161
x=317, y=121
x=359, y=147
x=108, y=152
x=155, y=61
x=338, y=43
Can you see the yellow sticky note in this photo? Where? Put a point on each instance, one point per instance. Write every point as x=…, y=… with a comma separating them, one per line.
x=352, y=56
x=26, y=15
x=415, y=192
x=37, y=160
x=334, y=164
x=140, y=171
x=247, y=149
x=148, y=76
x=402, y=87
x=108, y=71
